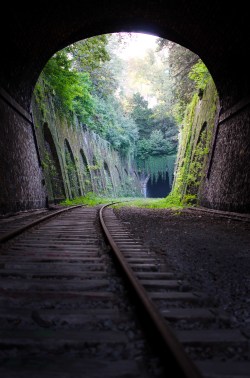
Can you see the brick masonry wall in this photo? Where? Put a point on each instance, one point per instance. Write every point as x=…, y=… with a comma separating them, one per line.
x=21, y=177
x=228, y=185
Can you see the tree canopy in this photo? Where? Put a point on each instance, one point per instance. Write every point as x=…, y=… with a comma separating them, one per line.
x=137, y=104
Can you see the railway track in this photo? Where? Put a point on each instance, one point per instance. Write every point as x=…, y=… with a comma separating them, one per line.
x=216, y=349
x=64, y=310
x=13, y=226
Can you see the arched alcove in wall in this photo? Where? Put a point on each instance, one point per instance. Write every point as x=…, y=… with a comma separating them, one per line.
x=74, y=184
x=97, y=181
x=52, y=166
x=108, y=179
x=84, y=167
x=119, y=179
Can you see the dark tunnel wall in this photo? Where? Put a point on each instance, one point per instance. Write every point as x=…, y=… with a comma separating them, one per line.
x=216, y=31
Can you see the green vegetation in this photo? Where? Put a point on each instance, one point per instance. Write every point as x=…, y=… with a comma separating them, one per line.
x=81, y=82
x=181, y=62
x=91, y=199
x=140, y=107
x=196, y=139
x=70, y=88
x=200, y=75
x=170, y=202
x=89, y=80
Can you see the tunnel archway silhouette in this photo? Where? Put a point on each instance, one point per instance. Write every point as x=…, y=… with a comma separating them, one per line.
x=203, y=27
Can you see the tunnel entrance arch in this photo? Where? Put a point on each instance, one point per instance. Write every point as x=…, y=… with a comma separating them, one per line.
x=158, y=187
x=171, y=20
x=52, y=167
x=73, y=180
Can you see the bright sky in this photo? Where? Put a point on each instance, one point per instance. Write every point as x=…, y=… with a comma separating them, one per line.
x=135, y=45
x=138, y=45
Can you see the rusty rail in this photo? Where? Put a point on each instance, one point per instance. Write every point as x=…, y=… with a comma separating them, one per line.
x=183, y=366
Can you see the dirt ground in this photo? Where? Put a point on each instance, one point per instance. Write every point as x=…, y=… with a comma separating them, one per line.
x=212, y=253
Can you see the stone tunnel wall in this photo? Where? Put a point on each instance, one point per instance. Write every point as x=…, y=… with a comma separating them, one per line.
x=86, y=161
x=213, y=160
x=227, y=184
x=21, y=178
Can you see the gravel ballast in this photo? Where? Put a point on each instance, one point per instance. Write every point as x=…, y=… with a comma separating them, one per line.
x=211, y=252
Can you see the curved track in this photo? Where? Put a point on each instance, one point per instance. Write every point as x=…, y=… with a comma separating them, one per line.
x=63, y=311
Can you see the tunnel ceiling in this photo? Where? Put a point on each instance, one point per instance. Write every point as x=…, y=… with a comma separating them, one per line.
x=218, y=33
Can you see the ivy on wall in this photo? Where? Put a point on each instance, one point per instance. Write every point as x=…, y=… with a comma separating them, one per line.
x=156, y=166
x=195, y=145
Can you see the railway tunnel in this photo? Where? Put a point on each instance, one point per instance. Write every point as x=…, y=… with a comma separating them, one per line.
x=218, y=33
x=158, y=187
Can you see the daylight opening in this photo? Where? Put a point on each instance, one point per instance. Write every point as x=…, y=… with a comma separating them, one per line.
x=127, y=100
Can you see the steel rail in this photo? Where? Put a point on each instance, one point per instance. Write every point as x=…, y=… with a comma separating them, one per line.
x=184, y=367
x=245, y=217
x=10, y=235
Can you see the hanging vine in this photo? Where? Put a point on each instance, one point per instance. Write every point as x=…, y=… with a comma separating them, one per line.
x=157, y=166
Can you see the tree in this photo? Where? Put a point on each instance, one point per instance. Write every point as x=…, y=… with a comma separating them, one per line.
x=68, y=75
x=112, y=96
x=159, y=145
x=200, y=75
x=113, y=125
x=89, y=54
x=181, y=61
x=141, y=114
x=71, y=89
